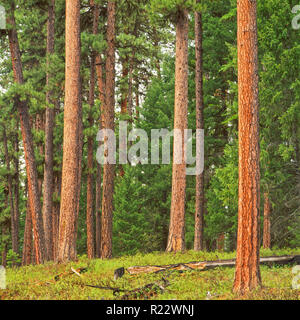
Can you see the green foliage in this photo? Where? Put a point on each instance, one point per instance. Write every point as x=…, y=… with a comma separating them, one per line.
x=37, y=282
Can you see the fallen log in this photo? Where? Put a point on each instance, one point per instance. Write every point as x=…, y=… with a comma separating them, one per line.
x=206, y=265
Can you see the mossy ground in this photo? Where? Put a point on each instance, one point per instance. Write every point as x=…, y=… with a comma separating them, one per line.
x=37, y=282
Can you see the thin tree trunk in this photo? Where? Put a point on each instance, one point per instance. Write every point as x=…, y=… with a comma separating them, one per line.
x=176, y=239
x=98, y=212
x=101, y=87
x=27, y=245
x=16, y=185
x=108, y=117
x=90, y=162
x=267, y=222
x=199, y=206
x=49, y=126
x=14, y=235
x=71, y=171
x=247, y=275
x=55, y=214
x=5, y=233
x=137, y=101
x=31, y=169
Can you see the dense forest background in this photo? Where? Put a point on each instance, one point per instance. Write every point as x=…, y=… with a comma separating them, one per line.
x=145, y=79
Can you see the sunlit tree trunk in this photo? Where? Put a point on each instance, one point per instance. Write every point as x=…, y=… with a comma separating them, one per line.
x=176, y=238
x=31, y=169
x=71, y=171
x=247, y=274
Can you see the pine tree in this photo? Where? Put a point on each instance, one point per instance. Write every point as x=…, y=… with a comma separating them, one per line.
x=71, y=172
x=199, y=206
x=108, y=123
x=247, y=275
x=176, y=239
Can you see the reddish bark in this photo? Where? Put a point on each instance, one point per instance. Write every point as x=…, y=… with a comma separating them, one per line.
x=32, y=176
x=72, y=144
x=247, y=275
x=176, y=239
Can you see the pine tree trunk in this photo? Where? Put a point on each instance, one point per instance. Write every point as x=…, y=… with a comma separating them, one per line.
x=137, y=101
x=108, y=123
x=199, y=205
x=267, y=223
x=176, y=239
x=27, y=246
x=32, y=175
x=90, y=162
x=101, y=87
x=14, y=235
x=16, y=184
x=55, y=214
x=71, y=171
x=247, y=275
x=98, y=212
x=49, y=126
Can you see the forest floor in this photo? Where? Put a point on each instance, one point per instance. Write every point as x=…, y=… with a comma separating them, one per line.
x=58, y=282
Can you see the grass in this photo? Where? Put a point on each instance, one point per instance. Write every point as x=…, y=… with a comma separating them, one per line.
x=37, y=282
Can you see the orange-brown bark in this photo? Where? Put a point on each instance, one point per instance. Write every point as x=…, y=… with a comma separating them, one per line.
x=31, y=170
x=71, y=171
x=247, y=275
x=176, y=238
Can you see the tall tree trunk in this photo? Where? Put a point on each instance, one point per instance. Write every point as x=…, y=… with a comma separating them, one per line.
x=32, y=175
x=247, y=274
x=267, y=222
x=108, y=123
x=50, y=114
x=90, y=163
x=176, y=239
x=101, y=87
x=16, y=185
x=71, y=171
x=199, y=206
